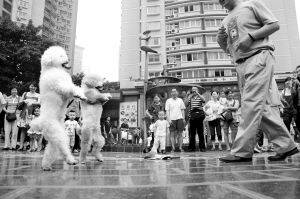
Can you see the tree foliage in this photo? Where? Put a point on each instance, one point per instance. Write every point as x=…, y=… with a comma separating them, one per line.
x=21, y=50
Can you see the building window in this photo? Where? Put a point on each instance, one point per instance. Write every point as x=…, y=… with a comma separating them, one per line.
x=154, y=59
x=179, y=75
x=192, y=57
x=153, y=10
x=213, y=23
x=153, y=25
x=219, y=73
x=7, y=6
x=217, y=56
x=211, y=38
x=212, y=6
x=154, y=41
x=5, y=15
x=190, y=24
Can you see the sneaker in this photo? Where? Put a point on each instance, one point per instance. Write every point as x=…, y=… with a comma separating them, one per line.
x=283, y=156
x=181, y=150
x=202, y=150
x=232, y=158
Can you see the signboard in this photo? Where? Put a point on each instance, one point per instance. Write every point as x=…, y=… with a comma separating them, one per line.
x=128, y=112
x=214, y=79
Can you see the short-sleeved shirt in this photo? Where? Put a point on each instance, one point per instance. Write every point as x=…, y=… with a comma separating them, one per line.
x=233, y=104
x=214, y=109
x=2, y=101
x=154, y=109
x=175, y=106
x=12, y=103
x=31, y=97
x=160, y=127
x=71, y=126
x=247, y=17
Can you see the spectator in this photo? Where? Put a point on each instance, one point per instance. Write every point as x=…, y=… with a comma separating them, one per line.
x=2, y=114
x=196, y=117
x=223, y=98
x=35, y=136
x=72, y=127
x=11, y=118
x=30, y=100
x=161, y=128
x=213, y=109
x=154, y=108
x=175, y=115
x=229, y=118
x=287, y=96
x=74, y=105
x=107, y=129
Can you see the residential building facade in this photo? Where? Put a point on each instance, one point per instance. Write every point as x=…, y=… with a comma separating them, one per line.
x=58, y=19
x=183, y=32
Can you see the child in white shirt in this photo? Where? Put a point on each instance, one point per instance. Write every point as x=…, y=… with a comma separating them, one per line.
x=71, y=127
x=161, y=128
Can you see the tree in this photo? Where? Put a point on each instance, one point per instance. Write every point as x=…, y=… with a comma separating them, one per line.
x=22, y=47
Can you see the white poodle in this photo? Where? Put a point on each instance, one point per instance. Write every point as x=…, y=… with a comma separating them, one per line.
x=91, y=111
x=56, y=88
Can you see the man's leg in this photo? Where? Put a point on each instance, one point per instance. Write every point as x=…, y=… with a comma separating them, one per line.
x=258, y=93
x=200, y=133
x=180, y=128
x=276, y=131
x=7, y=130
x=192, y=135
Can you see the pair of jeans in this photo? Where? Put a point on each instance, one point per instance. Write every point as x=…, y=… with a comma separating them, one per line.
x=215, y=126
x=196, y=126
x=11, y=133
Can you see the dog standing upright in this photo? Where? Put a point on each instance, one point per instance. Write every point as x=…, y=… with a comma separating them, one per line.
x=56, y=88
x=91, y=110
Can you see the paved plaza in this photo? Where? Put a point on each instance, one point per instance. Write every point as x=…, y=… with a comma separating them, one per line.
x=128, y=175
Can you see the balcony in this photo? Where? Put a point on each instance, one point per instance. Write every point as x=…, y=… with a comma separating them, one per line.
x=184, y=47
x=219, y=62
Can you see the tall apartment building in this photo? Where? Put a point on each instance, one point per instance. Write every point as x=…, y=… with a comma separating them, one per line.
x=78, y=56
x=5, y=8
x=184, y=33
x=58, y=19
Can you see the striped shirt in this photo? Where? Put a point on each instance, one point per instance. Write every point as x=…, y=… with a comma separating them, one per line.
x=12, y=103
x=195, y=102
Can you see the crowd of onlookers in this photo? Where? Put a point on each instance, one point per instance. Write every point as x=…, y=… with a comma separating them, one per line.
x=215, y=120
x=174, y=121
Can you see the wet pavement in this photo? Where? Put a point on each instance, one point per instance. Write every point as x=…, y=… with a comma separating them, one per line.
x=129, y=176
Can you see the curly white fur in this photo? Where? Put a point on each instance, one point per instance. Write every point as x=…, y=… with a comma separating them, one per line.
x=56, y=88
x=91, y=115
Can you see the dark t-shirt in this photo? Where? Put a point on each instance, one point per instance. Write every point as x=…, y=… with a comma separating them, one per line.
x=154, y=109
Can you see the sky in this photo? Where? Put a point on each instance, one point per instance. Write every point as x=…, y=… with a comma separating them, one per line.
x=99, y=32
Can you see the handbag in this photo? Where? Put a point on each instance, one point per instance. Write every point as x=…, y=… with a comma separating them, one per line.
x=227, y=115
x=10, y=117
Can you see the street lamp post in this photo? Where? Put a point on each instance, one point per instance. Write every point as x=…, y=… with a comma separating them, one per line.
x=147, y=50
